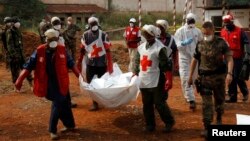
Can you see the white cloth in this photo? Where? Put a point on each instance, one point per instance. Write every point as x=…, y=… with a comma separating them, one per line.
x=112, y=90
x=149, y=64
x=243, y=119
x=185, y=56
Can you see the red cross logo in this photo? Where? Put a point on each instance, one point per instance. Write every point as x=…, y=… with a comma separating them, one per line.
x=96, y=50
x=145, y=63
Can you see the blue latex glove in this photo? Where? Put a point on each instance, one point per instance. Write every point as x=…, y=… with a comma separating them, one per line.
x=187, y=42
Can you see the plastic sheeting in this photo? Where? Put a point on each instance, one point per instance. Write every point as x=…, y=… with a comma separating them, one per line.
x=112, y=90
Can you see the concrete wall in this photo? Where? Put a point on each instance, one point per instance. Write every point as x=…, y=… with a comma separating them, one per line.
x=100, y=3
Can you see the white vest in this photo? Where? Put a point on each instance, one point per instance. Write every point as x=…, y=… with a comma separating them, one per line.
x=149, y=64
x=96, y=48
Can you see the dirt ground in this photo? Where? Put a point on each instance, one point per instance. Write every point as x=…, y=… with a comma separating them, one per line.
x=25, y=117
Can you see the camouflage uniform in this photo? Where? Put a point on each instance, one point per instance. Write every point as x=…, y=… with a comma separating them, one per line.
x=4, y=50
x=70, y=40
x=43, y=27
x=212, y=72
x=15, y=52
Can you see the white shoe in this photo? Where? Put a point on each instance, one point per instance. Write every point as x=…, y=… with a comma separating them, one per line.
x=54, y=136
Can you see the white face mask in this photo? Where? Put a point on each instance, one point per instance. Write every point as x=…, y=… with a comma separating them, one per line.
x=131, y=24
x=17, y=25
x=208, y=38
x=53, y=44
x=57, y=27
x=191, y=25
x=94, y=28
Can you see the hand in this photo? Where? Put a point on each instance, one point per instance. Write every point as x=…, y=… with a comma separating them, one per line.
x=229, y=79
x=169, y=80
x=190, y=81
x=187, y=42
x=18, y=85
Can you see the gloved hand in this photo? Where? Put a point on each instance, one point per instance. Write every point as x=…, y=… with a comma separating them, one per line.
x=169, y=80
x=22, y=76
x=187, y=42
x=109, y=63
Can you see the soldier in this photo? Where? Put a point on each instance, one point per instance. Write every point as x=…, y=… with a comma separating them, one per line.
x=43, y=27
x=51, y=63
x=132, y=36
x=70, y=36
x=8, y=24
x=239, y=45
x=96, y=46
x=212, y=71
x=15, y=51
x=152, y=66
x=186, y=38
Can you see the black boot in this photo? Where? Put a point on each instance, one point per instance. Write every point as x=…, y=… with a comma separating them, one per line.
x=219, y=119
x=94, y=107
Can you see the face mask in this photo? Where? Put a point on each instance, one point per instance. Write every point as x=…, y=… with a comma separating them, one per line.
x=208, y=38
x=17, y=25
x=53, y=44
x=191, y=25
x=94, y=28
x=230, y=27
x=57, y=27
x=69, y=23
x=131, y=24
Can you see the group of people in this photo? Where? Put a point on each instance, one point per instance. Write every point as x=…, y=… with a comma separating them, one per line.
x=212, y=62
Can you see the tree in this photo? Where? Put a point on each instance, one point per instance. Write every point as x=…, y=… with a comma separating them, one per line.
x=29, y=11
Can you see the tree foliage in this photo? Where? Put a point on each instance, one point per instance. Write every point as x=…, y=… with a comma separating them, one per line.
x=29, y=11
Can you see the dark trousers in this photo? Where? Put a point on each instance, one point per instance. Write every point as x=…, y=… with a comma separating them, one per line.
x=156, y=98
x=236, y=81
x=16, y=66
x=71, y=47
x=61, y=109
x=91, y=71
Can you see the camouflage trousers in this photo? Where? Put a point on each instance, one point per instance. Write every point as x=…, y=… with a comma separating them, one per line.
x=16, y=65
x=212, y=86
x=71, y=47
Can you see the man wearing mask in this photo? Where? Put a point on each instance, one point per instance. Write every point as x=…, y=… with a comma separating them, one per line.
x=70, y=36
x=57, y=25
x=186, y=38
x=213, y=71
x=239, y=45
x=96, y=47
x=43, y=27
x=153, y=69
x=51, y=80
x=8, y=23
x=132, y=36
x=15, y=53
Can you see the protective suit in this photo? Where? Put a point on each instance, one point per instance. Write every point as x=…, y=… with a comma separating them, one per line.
x=186, y=38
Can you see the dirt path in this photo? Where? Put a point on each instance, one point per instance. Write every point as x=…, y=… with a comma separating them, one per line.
x=25, y=117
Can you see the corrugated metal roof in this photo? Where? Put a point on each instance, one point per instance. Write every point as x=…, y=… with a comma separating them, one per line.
x=74, y=8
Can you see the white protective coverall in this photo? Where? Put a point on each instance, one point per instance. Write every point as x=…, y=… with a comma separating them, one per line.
x=185, y=53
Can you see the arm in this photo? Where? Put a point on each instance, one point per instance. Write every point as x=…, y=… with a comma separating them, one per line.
x=230, y=64
x=137, y=64
x=192, y=68
x=107, y=46
x=166, y=67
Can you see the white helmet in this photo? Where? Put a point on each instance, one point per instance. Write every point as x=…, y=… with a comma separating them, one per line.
x=53, y=19
x=163, y=23
x=132, y=20
x=151, y=29
x=93, y=19
x=191, y=16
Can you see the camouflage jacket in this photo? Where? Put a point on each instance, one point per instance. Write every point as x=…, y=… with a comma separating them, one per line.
x=14, y=43
x=70, y=31
x=211, y=55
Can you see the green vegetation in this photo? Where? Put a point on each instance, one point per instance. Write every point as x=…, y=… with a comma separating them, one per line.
x=30, y=12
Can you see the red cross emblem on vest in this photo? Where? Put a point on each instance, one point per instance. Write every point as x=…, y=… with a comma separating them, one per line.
x=145, y=63
x=95, y=52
